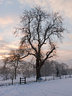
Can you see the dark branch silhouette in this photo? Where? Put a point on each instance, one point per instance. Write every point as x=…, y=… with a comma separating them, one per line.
x=39, y=28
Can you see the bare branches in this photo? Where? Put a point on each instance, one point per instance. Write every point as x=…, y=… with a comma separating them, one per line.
x=38, y=28
x=48, y=55
x=32, y=45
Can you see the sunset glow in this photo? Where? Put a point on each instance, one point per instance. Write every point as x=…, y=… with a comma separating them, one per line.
x=11, y=11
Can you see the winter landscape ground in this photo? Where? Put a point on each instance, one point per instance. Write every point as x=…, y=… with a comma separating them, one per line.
x=60, y=87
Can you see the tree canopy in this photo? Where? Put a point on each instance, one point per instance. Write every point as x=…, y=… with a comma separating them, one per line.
x=39, y=28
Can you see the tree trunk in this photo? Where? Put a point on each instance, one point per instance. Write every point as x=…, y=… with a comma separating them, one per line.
x=15, y=72
x=38, y=74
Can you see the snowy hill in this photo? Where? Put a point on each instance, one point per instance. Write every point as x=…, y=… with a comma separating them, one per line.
x=61, y=87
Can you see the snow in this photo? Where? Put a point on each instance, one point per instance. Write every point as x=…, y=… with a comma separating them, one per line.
x=60, y=87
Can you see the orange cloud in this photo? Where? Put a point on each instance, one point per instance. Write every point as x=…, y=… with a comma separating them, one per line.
x=12, y=46
x=62, y=5
x=6, y=47
x=1, y=57
x=70, y=36
x=64, y=55
x=1, y=38
x=3, y=51
x=6, y=20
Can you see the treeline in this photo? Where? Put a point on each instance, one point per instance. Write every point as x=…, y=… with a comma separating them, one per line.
x=27, y=69
x=54, y=68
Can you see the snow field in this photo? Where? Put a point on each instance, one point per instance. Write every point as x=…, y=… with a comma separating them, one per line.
x=61, y=87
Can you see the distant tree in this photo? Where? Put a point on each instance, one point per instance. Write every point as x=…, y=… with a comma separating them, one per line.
x=39, y=30
x=14, y=59
x=54, y=68
x=48, y=69
x=26, y=69
x=4, y=72
x=61, y=69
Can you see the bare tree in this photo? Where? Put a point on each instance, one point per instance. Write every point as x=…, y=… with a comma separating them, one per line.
x=12, y=60
x=39, y=30
x=4, y=72
x=26, y=69
x=48, y=68
x=61, y=69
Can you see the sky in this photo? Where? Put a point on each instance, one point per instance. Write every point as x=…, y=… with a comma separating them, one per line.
x=10, y=12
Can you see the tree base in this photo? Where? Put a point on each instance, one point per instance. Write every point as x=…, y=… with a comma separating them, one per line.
x=39, y=79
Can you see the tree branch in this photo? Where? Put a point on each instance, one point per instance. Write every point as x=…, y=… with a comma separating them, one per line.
x=24, y=56
x=47, y=56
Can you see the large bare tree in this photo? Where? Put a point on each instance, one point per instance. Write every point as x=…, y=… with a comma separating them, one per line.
x=39, y=30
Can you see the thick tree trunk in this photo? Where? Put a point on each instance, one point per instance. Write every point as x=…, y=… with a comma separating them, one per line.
x=38, y=68
x=38, y=74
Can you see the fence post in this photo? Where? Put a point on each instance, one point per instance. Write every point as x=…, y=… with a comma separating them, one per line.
x=20, y=80
x=25, y=80
x=12, y=81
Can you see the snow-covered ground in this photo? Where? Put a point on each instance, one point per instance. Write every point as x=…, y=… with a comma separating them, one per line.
x=60, y=87
x=31, y=79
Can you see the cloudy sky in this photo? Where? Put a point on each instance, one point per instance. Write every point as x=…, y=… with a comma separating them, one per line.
x=10, y=12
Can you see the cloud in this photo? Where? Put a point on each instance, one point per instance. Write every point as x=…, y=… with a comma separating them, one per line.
x=1, y=57
x=21, y=1
x=11, y=46
x=1, y=38
x=70, y=36
x=6, y=2
x=6, y=21
x=9, y=1
x=32, y=3
x=66, y=45
x=57, y=5
x=64, y=55
x=3, y=51
x=1, y=1
x=62, y=5
x=5, y=47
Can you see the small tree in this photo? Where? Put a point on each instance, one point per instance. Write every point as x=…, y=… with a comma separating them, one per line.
x=14, y=59
x=4, y=72
x=39, y=30
x=26, y=69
